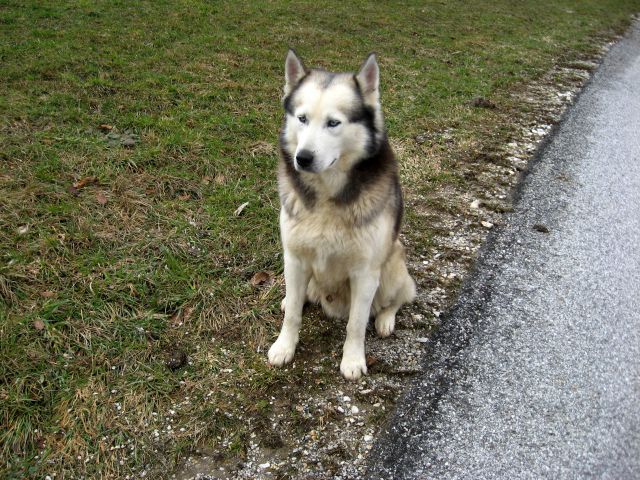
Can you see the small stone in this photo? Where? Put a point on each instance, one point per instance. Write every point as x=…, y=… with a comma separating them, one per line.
x=538, y=227
x=355, y=410
x=346, y=399
x=368, y=438
x=475, y=204
x=486, y=224
x=129, y=142
x=481, y=102
x=420, y=139
x=175, y=359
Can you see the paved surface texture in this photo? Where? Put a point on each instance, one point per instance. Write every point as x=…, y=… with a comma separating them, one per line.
x=536, y=372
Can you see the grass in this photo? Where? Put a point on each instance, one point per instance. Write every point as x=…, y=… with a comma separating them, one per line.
x=174, y=108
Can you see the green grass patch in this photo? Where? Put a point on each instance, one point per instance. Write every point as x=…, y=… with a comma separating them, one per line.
x=174, y=108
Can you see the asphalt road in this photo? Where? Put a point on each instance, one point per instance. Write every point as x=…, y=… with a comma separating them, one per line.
x=536, y=371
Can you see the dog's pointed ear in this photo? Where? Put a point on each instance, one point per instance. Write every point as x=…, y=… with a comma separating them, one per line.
x=293, y=71
x=369, y=79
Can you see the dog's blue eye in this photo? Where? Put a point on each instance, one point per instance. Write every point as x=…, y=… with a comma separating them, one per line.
x=333, y=123
x=302, y=118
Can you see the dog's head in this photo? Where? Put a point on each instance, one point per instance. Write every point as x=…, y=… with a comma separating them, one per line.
x=332, y=119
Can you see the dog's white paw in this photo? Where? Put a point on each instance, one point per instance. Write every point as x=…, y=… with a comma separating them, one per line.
x=385, y=324
x=353, y=367
x=281, y=352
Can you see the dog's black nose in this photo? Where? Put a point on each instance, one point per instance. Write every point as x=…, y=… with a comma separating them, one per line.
x=304, y=159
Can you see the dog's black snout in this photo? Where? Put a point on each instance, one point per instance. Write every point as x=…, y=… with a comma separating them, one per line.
x=304, y=158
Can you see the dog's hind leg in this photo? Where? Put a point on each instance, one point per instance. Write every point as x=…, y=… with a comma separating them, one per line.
x=396, y=288
x=296, y=277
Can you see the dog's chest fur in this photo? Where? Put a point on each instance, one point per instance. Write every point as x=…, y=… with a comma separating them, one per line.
x=327, y=240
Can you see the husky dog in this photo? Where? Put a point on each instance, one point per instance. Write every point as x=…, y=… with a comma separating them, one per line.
x=341, y=209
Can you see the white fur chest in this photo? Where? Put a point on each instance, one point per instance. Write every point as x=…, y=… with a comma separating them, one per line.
x=330, y=245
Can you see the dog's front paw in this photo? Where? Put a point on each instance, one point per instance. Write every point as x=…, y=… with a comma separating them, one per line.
x=353, y=367
x=281, y=352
